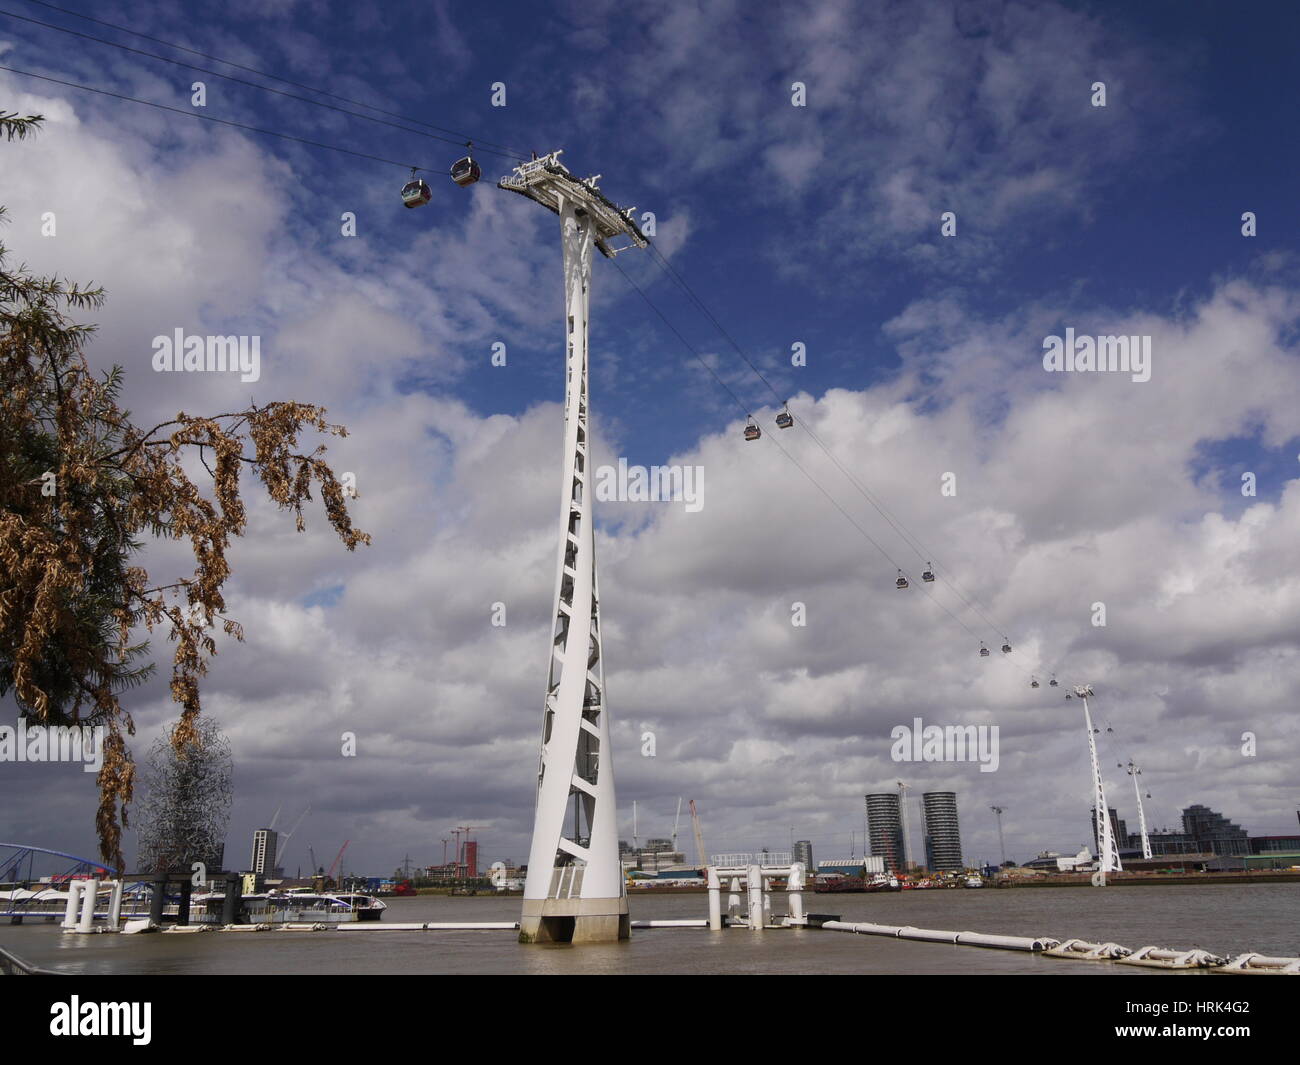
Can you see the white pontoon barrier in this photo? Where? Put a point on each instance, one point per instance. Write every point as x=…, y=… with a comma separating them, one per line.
x=1157, y=958
x=1085, y=951
x=1262, y=965
x=935, y=935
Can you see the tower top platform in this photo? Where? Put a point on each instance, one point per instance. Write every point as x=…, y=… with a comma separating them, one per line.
x=548, y=181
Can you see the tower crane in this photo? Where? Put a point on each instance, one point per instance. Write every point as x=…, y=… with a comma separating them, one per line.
x=282, y=848
x=462, y=860
x=677, y=822
x=337, y=858
x=699, y=837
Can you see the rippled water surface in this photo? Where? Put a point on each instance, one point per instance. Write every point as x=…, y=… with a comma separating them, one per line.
x=1224, y=919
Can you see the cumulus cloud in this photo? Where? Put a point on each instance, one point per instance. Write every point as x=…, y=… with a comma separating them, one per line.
x=1071, y=489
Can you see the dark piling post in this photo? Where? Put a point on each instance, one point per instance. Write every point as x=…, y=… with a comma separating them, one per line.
x=234, y=896
x=183, y=911
x=156, y=903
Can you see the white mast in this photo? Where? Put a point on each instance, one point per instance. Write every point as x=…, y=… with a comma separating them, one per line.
x=1001, y=842
x=1135, y=771
x=574, y=890
x=1108, y=856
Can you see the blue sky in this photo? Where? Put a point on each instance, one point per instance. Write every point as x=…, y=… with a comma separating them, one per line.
x=817, y=225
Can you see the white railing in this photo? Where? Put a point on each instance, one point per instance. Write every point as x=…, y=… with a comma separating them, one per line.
x=732, y=861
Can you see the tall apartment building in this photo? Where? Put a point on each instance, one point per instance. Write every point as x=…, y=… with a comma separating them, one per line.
x=802, y=852
x=263, y=860
x=885, y=828
x=942, y=831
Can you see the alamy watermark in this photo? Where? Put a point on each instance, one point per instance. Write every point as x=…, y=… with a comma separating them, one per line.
x=1103, y=354
x=946, y=743
x=53, y=743
x=656, y=484
x=213, y=354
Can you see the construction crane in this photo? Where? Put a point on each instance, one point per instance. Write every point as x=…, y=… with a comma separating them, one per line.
x=462, y=847
x=282, y=847
x=337, y=858
x=699, y=837
x=677, y=822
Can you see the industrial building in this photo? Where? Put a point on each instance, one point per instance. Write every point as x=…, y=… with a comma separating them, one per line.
x=870, y=865
x=1213, y=832
x=658, y=855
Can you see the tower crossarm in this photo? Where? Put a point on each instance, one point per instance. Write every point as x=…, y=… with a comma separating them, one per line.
x=549, y=182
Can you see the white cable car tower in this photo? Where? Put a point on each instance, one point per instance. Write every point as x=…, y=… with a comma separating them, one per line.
x=1134, y=770
x=574, y=891
x=1108, y=851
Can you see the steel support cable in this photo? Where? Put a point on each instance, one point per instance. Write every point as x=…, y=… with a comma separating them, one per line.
x=513, y=153
x=813, y=480
x=213, y=118
x=896, y=524
x=251, y=84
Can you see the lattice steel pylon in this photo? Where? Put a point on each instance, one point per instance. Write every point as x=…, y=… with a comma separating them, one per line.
x=574, y=891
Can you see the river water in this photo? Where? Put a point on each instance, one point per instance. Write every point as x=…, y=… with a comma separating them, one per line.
x=1224, y=919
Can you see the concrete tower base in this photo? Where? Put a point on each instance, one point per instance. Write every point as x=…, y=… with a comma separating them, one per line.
x=574, y=921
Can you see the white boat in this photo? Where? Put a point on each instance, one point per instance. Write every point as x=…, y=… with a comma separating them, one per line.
x=306, y=907
x=366, y=907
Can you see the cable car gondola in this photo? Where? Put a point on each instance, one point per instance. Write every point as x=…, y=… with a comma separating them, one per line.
x=416, y=192
x=1006, y=647
x=785, y=419
x=465, y=171
x=1052, y=683
x=984, y=651
x=928, y=575
x=752, y=431
x=1033, y=682
x=901, y=582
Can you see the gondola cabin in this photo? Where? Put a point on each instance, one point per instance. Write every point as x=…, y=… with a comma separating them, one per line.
x=465, y=172
x=416, y=193
x=752, y=432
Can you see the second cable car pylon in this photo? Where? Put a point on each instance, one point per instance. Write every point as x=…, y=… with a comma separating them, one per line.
x=574, y=891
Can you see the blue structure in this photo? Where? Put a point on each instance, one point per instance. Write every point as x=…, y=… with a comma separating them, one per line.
x=14, y=856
